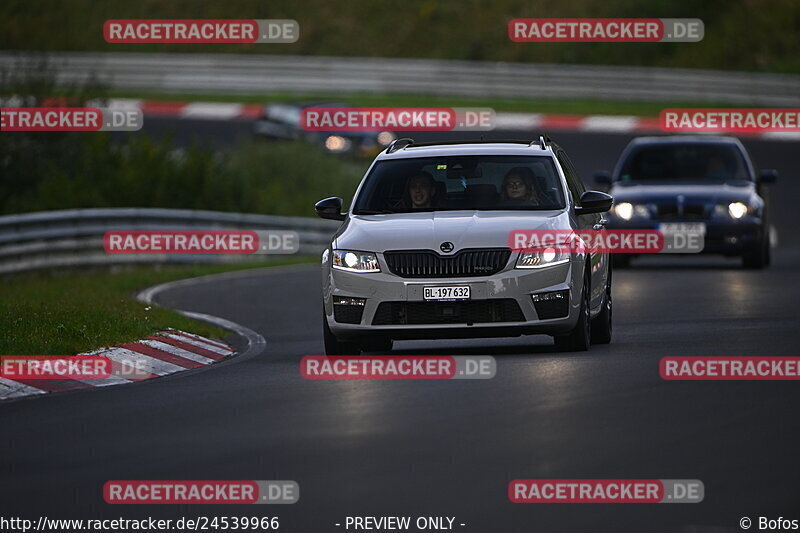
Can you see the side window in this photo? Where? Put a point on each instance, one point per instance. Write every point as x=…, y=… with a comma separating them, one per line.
x=574, y=183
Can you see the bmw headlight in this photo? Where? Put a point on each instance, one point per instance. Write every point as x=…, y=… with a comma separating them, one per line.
x=351, y=261
x=737, y=209
x=627, y=210
x=545, y=258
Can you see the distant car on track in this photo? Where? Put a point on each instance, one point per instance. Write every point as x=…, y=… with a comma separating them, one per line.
x=695, y=184
x=282, y=121
x=424, y=250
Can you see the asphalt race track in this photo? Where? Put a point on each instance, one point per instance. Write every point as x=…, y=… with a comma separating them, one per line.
x=450, y=448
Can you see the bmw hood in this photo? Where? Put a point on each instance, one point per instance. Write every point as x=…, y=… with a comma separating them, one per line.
x=691, y=193
x=429, y=230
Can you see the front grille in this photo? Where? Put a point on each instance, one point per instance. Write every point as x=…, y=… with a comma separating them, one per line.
x=471, y=312
x=348, y=314
x=687, y=211
x=429, y=264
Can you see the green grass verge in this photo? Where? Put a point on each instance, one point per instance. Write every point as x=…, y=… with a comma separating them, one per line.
x=522, y=105
x=65, y=313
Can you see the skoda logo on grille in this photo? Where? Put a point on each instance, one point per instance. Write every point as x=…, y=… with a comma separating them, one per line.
x=447, y=247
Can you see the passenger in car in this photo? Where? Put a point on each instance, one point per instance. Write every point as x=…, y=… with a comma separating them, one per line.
x=519, y=188
x=421, y=192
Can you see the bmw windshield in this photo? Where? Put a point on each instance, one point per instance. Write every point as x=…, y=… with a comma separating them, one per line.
x=702, y=162
x=461, y=183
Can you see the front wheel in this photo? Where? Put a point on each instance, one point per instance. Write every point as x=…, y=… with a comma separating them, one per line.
x=334, y=346
x=759, y=257
x=578, y=339
x=601, y=324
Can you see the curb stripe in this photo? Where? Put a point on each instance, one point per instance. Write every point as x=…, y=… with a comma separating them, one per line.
x=189, y=347
x=55, y=385
x=513, y=121
x=156, y=366
x=170, y=348
x=199, y=344
x=160, y=354
x=201, y=339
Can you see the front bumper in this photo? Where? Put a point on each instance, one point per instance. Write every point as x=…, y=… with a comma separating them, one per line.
x=722, y=236
x=497, y=292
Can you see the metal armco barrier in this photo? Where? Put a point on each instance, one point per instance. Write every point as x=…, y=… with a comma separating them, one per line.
x=238, y=74
x=74, y=237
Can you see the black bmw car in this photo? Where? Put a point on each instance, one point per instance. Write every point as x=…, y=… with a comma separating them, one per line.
x=693, y=184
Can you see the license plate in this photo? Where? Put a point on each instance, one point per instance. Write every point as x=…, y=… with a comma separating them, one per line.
x=460, y=292
x=696, y=228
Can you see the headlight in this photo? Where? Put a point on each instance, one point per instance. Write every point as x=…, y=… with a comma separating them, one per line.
x=627, y=211
x=355, y=261
x=624, y=210
x=546, y=258
x=737, y=209
x=385, y=138
x=337, y=143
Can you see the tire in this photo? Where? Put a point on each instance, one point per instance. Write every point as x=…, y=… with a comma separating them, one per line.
x=759, y=257
x=333, y=346
x=602, y=324
x=578, y=339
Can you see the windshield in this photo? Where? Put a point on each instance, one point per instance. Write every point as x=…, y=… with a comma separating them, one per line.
x=461, y=183
x=685, y=162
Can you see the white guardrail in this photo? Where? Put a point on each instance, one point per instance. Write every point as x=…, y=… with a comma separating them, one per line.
x=74, y=237
x=238, y=74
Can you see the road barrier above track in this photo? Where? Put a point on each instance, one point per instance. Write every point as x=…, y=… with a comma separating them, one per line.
x=239, y=74
x=74, y=237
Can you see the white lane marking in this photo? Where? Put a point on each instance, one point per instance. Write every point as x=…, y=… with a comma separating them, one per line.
x=218, y=344
x=124, y=104
x=781, y=135
x=14, y=389
x=608, y=123
x=198, y=343
x=211, y=110
x=164, y=347
x=516, y=121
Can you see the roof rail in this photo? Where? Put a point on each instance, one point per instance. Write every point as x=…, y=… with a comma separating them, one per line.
x=544, y=140
x=398, y=144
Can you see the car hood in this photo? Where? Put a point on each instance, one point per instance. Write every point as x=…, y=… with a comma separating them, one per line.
x=692, y=193
x=428, y=230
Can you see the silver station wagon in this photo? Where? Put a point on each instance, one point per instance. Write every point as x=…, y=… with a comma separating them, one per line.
x=424, y=251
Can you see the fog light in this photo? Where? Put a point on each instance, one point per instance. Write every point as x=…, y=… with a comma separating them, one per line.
x=547, y=296
x=349, y=300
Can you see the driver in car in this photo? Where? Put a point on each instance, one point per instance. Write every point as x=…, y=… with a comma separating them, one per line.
x=421, y=191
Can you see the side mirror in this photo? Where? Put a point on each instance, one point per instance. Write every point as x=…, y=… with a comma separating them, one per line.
x=768, y=176
x=330, y=208
x=594, y=202
x=602, y=177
